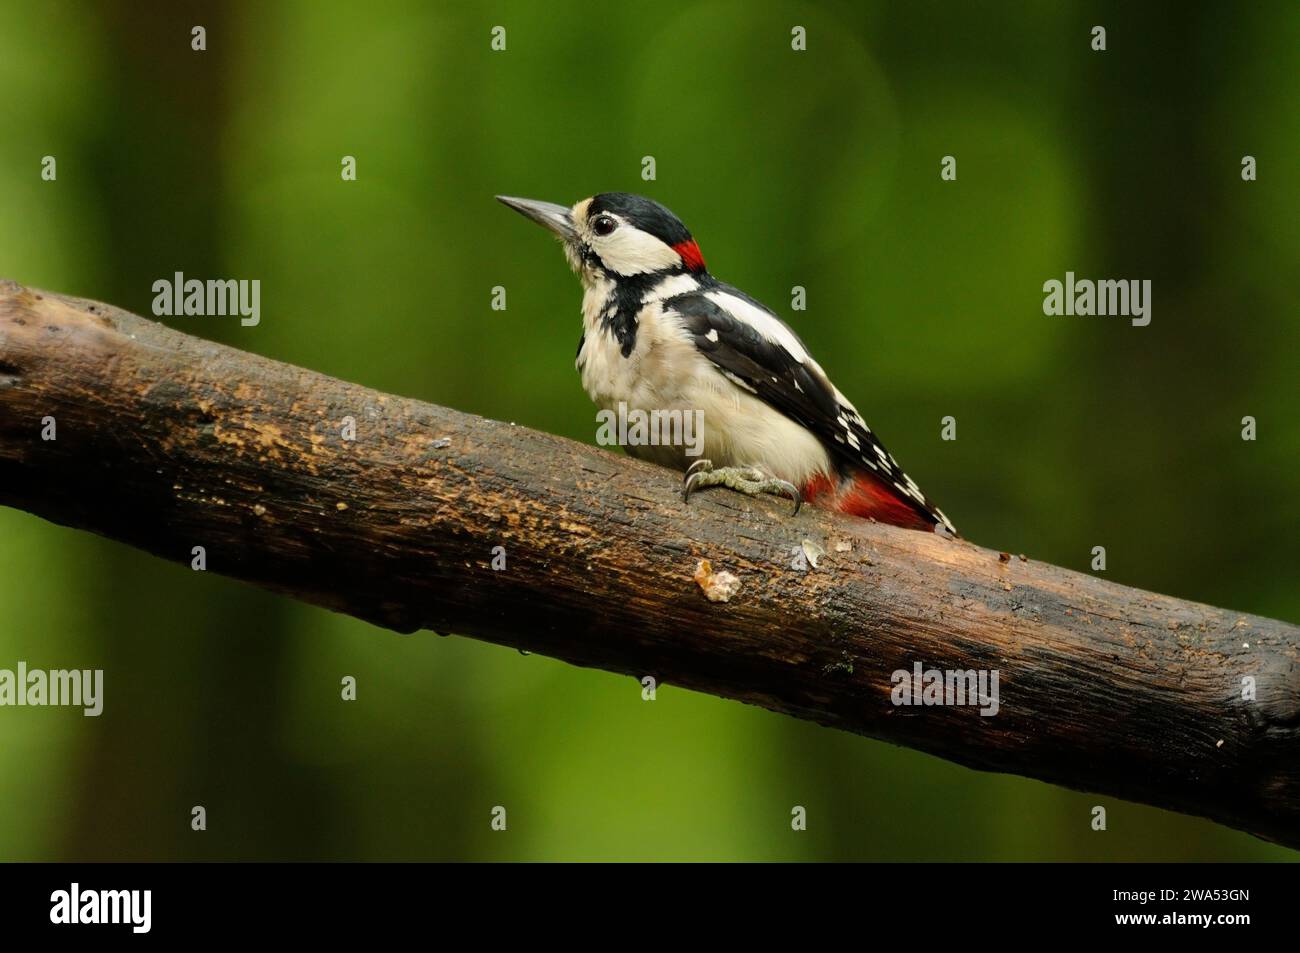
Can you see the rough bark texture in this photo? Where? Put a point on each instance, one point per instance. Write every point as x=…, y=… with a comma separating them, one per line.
x=168, y=442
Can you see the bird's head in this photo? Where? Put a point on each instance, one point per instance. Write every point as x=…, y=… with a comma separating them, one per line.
x=616, y=235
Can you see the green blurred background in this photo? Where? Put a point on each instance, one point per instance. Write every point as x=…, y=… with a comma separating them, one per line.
x=819, y=169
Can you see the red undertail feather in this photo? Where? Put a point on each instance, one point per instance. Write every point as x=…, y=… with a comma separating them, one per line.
x=691, y=256
x=864, y=496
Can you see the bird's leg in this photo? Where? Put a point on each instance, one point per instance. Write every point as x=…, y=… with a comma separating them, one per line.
x=748, y=480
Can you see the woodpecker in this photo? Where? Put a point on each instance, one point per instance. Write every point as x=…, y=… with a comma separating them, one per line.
x=659, y=332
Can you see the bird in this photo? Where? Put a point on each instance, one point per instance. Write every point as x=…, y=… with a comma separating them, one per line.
x=661, y=333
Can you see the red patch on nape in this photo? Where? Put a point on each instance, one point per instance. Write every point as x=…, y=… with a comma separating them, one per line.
x=691, y=256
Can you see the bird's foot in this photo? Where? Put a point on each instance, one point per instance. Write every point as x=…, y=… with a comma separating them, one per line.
x=748, y=480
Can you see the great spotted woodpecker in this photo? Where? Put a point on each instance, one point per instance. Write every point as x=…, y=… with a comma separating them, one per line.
x=661, y=333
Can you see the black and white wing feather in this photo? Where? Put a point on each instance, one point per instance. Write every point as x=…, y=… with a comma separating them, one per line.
x=756, y=350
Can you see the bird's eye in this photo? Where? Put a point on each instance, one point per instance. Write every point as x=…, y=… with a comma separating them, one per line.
x=603, y=225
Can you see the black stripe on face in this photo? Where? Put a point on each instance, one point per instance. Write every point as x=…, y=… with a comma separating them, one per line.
x=643, y=213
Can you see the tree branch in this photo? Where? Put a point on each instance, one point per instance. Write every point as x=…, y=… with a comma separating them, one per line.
x=168, y=442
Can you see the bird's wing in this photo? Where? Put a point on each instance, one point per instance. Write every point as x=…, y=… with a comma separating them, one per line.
x=756, y=350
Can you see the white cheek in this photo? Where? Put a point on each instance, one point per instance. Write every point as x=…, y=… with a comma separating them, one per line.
x=630, y=251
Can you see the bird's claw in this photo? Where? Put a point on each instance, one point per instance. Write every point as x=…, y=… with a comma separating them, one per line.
x=689, y=481
x=792, y=491
x=745, y=480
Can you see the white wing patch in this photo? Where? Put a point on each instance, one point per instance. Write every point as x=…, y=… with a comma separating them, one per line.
x=768, y=325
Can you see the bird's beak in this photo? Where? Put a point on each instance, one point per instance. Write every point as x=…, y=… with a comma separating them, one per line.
x=556, y=218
